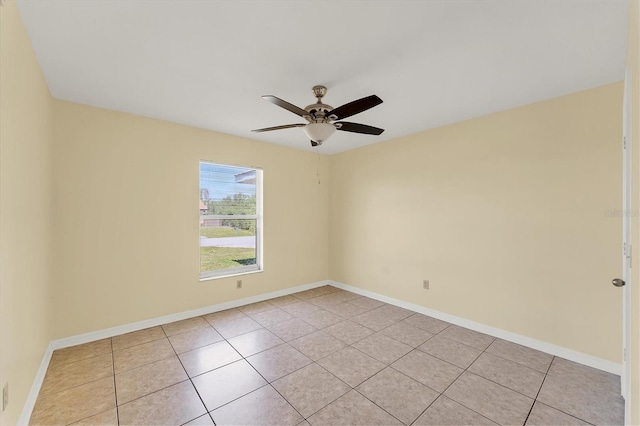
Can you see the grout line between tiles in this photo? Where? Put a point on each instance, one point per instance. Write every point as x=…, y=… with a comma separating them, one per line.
x=268, y=383
x=375, y=403
x=454, y=380
x=351, y=387
x=190, y=380
x=332, y=401
x=499, y=384
x=192, y=384
x=157, y=390
x=520, y=364
x=277, y=391
x=351, y=319
x=539, y=389
x=243, y=358
x=115, y=395
x=115, y=388
x=139, y=344
x=233, y=400
x=368, y=378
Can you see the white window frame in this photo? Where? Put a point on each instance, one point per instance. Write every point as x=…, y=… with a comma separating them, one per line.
x=258, y=217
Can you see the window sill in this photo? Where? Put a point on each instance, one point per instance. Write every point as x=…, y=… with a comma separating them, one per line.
x=230, y=274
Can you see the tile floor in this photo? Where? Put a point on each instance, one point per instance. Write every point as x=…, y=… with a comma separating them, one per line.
x=321, y=357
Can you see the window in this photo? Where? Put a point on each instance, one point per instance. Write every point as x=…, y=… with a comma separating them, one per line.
x=230, y=220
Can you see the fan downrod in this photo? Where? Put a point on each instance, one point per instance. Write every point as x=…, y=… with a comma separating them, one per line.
x=321, y=117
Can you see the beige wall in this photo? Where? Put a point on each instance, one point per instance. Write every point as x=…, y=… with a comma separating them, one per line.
x=126, y=222
x=26, y=173
x=505, y=215
x=633, y=60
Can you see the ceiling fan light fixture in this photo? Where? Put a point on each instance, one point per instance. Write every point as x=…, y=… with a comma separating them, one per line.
x=319, y=132
x=321, y=117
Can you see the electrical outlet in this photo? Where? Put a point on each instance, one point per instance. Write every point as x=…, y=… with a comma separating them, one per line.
x=239, y=284
x=425, y=284
x=5, y=396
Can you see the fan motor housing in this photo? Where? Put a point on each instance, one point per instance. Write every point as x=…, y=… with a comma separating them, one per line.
x=321, y=118
x=319, y=111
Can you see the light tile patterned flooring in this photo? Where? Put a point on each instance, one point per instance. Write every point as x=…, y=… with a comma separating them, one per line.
x=322, y=357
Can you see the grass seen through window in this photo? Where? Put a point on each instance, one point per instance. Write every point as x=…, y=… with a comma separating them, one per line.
x=230, y=219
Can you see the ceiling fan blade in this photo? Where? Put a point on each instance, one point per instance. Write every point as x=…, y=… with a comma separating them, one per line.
x=286, y=105
x=358, y=128
x=286, y=126
x=355, y=107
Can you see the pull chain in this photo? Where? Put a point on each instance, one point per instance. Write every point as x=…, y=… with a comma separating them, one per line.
x=318, y=164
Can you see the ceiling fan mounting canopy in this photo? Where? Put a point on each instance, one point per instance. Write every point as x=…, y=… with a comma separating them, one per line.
x=321, y=118
x=319, y=92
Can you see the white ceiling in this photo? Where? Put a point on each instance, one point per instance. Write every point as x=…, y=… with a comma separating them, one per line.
x=206, y=63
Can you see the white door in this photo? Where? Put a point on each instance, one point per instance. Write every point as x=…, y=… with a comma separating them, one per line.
x=625, y=282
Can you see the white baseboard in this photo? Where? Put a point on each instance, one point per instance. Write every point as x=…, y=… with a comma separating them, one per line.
x=582, y=358
x=127, y=328
x=27, y=409
x=571, y=355
x=135, y=326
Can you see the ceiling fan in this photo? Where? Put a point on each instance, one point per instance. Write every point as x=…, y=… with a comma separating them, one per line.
x=321, y=118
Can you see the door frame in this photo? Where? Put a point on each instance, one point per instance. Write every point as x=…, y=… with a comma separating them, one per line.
x=627, y=249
